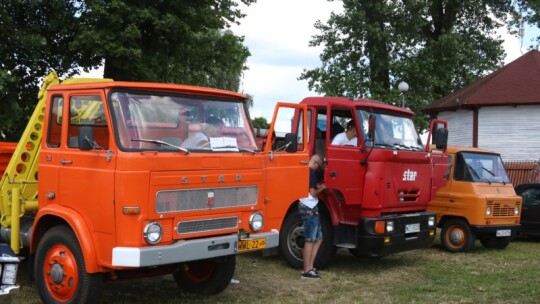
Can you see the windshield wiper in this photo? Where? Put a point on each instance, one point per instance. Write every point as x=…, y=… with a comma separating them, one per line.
x=235, y=147
x=480, y=177
x=161, y=142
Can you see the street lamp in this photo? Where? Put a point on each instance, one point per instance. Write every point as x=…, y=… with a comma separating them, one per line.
x=403, y=87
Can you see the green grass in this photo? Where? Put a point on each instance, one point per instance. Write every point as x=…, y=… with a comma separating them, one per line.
x=421, y=276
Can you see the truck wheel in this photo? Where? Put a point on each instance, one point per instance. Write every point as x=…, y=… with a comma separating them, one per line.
x=206, y=277
x=492, y=242
x=60, y=270
x=456, y=236
x=291, y=241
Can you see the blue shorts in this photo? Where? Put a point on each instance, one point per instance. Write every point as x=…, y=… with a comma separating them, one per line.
x=312, y=228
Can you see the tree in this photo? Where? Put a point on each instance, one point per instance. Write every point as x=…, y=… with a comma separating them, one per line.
x=435, y=46
x=141, y=40
x=35, y=39
x=165, y=41
x=260, y=123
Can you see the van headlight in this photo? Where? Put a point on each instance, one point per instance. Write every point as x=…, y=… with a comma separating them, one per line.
x=516, y=210
x=256, y=221
x=488, y=211
x=153, y=233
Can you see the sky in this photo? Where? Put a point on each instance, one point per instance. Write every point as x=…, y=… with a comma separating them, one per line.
x=277, y=33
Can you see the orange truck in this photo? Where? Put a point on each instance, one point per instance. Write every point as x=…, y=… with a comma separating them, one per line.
x=478, y=202
x=119, y=194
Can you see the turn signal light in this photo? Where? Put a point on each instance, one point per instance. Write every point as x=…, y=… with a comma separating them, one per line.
x=380, y=227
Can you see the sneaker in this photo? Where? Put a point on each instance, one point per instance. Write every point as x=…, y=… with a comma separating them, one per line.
x=234, y=281
x=310, y=275
x=315, y=270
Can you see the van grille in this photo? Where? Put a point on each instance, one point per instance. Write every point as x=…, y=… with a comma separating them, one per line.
x=207, y=225
x=502, y=208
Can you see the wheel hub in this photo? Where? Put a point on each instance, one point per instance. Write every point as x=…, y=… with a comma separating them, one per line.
x=456, y=236
x=57, y=273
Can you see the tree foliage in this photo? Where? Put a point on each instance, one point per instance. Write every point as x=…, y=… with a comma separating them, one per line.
x=260, y=123
x=175, y=41
x=435, y=46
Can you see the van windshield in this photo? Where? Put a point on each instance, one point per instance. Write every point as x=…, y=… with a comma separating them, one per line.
x=480, y=167
x=166, y=122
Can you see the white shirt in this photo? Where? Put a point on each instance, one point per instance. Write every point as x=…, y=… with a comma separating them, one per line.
x=342, y=140
x=194, y=140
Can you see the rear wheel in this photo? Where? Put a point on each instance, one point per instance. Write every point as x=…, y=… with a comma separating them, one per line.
x=291, y=241
x=492, y=242
x=456, y=236
x=206, y=277
x=60, y=271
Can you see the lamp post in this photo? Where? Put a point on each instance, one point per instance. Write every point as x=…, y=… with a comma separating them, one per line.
x=403, y=87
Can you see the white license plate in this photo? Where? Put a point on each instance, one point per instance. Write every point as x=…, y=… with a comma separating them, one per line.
x=505, y=232
x=412, y=228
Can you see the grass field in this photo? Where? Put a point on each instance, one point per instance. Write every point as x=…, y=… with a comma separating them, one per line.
x=421, y=276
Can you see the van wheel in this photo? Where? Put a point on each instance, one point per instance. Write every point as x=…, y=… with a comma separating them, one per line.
x=456, y=236
x=492, y=242
x=291, y=241
x=206, y=277
x=60, y=271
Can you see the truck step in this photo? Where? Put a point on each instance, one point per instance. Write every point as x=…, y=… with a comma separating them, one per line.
x=346, y=245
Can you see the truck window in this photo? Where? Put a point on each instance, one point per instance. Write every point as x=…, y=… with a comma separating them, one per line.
x=340, y=134
x=285, y=124
x=392, y=131
x=87, y=111
x=144, y=120
x=55, y=123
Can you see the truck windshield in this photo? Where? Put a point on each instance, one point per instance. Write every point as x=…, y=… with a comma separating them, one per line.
x=480, y=167
x=150, y=121
x=391, y=131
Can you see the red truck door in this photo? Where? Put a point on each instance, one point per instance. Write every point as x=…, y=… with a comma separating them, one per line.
x=345, y=169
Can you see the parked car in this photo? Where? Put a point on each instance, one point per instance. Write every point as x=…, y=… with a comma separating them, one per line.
x=530, y=216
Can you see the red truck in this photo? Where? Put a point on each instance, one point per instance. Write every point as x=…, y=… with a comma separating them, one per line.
x=121, y=195
x=378, y=190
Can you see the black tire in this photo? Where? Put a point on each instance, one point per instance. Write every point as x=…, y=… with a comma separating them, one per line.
x=206, y=277
x=60, y=270
x=291, y=241
x=456, y=236
x=492, y=242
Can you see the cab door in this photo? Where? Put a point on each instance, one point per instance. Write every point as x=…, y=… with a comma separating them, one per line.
x=345, y=165
x=286, y=161
x=86, y=178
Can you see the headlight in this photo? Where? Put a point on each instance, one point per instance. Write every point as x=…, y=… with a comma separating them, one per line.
x=488, y=211
x=153, y=233
x=390, y=226
x=256, y=221
x=431, y=221
x=516, y=210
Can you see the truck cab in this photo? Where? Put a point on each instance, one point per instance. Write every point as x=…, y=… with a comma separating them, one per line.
x=378, y=186
x=478, y=202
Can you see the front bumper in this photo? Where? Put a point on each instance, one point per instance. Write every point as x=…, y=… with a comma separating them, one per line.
x=375, y=245
x=185, y=250
x=492, y=229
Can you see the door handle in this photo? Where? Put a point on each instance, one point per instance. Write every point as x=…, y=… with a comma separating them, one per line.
x=333, y=174
x=66, y=161
x=304, y=162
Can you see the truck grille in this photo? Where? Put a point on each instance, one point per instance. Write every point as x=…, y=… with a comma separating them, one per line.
x=204, y=199
x=207, y=225
x=502, y=208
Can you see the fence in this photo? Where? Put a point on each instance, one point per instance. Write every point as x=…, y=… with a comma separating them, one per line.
x=518, y=171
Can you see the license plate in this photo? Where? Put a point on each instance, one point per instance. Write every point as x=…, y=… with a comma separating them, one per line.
x=412, y=228
x=247, y=245
x=505, y=232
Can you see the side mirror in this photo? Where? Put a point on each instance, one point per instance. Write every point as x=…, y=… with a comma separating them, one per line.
x=291, y=140
x=86, y=138
x=441, y=138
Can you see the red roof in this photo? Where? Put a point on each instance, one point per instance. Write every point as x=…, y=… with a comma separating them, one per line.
x=516, y=83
